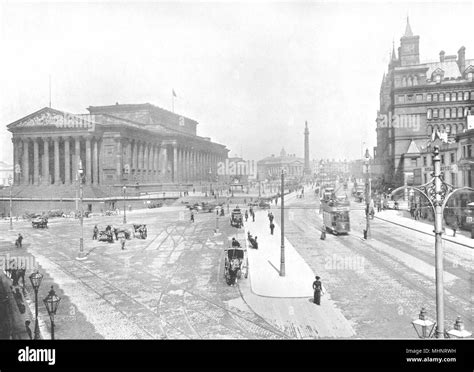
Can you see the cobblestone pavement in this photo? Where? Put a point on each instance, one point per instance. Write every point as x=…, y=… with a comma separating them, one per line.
x=381, y=284
x=170, y=285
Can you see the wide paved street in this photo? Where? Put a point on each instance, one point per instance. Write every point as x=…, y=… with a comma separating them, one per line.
x=381, y=284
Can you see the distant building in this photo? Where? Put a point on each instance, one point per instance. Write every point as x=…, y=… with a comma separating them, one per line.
x=417, y=99
x=6, y=171
x=270, y=167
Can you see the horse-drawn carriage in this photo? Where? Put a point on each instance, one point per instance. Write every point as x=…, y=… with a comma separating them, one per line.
x=236, y=263
x=40, y=222
x=236, y=219
x=140, y=231
x=263, y=204
x=106, y=235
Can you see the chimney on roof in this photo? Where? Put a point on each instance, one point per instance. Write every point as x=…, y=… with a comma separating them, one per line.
x=441, y=56
x=462, y=59
x=116, y=103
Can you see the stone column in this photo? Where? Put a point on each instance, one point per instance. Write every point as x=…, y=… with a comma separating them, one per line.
x=35, y=161
x=76, y=157
x=118, y=161
x=26, y=163
x=151, y=164
x=95, y=156
x=146, y=161
x=140, y=158
x=88, y=162
x=57, y=177
x=175, y=163
x=129, y=159
x=67, y=162
x=15, y=160
x=187, y=168
x=46, y=161
x=157, y=162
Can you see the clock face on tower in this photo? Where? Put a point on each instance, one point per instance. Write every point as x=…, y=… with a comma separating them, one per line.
x=409, y=48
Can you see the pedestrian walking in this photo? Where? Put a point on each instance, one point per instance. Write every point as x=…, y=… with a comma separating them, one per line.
x=122, y=241
x=28, y=330
x=323, y=233
x=272, y=227
x=455, y=227
x=246, y=215
x=95, y=233
x=253, y=216
x=18, y=241
x=318, y=290
x=192, y=216
x=21, y=275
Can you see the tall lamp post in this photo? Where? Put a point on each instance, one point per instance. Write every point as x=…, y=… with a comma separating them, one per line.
x=80, y=177
x=124, y=189
x=437, y=192
x=10, y=182
x=35, y=280
x=52, y=302
x=368, y=193
x=282, y=206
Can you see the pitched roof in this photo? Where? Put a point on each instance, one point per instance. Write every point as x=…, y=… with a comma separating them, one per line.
x=413, y=148
x=450, y=68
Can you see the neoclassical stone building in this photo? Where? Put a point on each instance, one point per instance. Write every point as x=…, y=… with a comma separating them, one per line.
x=116, y=145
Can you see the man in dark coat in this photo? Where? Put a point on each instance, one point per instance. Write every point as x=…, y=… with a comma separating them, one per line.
x=272, y=227
x=317, y=288
x=95, y=233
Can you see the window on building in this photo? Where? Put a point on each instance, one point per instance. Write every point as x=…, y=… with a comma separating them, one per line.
x=454, y=112
x=419, y=97
x=470, y=76
x=429, y=97
x=441, y=97
x=441, y=113
x=460, y=113
x=454, y=131
x=429, y=114
x=459, y=96
x=404, y=81
x=435, y=97
x=448, y=113
x=410, y=98
x=466, y=96
x=442, y=159
x=448, y=97
x=466, y=110
x=425, y=177
x=451, y=157
x=472, y=95
x=453, y=179
x=435, y=113
x=413, y=162
x=401, y=99
x=468, y=151
x=424, y=161
x=438, y=79
x=448, y=129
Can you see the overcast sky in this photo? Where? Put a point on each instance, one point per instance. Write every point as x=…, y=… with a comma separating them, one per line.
x=249, y=73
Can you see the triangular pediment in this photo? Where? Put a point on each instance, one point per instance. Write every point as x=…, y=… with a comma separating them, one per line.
x=49, y=117
x=413, y=148
x=470, y=68
x=438, y=71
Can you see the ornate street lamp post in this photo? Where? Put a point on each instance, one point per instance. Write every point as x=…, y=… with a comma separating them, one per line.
x=282, y=206
x=458, y=331
x=423, y=326
x=52, y=302
x=35, y=280
x=10, y=182
x=80, y=177
x=437, y=192
x=368, y=193
x=124, y=189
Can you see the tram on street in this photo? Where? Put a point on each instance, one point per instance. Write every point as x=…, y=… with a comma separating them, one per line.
x=336, y=213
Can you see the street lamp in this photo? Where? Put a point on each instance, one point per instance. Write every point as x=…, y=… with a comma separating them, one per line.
x=368, y=193
x=52, y=302
x=124, y=189
x=35, y=280
x=422, y=324
x=79, y=177
x=458, y=331
x=437, y=192
x=10, y=182
x=282, y=206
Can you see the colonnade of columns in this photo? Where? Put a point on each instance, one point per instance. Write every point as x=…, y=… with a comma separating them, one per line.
x=55, y=160
x=196, y=165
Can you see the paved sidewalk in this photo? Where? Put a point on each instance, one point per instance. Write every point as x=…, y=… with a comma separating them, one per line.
x=264, y=263
x=397, y=217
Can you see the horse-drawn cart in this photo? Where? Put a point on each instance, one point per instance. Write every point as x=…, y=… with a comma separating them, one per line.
x=236, y=263
x=40, y=223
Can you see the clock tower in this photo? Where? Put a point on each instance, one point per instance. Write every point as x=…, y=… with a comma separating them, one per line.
x=409, y=49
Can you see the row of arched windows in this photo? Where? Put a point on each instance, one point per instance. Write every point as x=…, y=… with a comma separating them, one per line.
x=447, y=113
x=451, y=129
x=409, y=81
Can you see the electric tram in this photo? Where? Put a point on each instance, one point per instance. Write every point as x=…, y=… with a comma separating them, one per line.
x=336, y=212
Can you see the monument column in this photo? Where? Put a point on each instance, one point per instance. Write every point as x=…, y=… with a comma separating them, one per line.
x=35, y=161
x=46, y=161
x=67, y=162
x=57, y=177
x=95, y=156
x=88, y=162
x=26, y=161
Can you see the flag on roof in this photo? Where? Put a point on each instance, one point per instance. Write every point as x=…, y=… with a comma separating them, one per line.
x=174, y=94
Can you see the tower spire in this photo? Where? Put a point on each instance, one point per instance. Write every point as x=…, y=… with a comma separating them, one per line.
x=408, y=31
x=394, y=56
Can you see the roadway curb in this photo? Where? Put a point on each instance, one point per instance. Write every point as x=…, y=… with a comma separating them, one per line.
x=423, y=232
